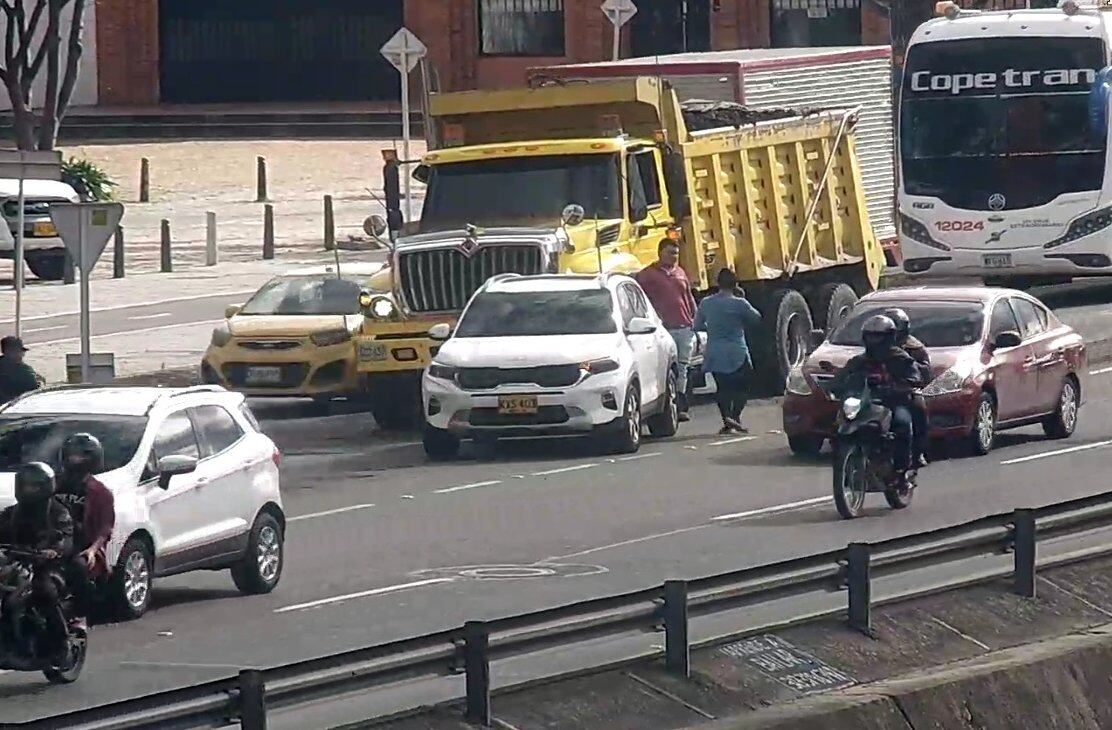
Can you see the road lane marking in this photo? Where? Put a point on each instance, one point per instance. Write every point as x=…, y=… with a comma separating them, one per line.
x=43, y=329
x=962, y=634
x=1102, y=371
x=1059, y=452
x=363, y=594
x=325, y=513
x=623, y=543
x=736, y=440
x=563, y=470
x=178, y=665
x=463, y=487
x=137, y=305
x=210, y=322
x=160, y=315
x=774, y=509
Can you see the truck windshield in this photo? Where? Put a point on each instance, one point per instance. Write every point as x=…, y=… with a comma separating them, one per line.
x=521, y=191
x=934, y=324
x=1008, y=116
x=531, y=314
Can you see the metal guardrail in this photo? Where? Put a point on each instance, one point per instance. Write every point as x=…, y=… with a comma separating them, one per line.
x=469, y=650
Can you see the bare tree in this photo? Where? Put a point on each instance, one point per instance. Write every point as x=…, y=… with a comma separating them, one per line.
x=32, y=43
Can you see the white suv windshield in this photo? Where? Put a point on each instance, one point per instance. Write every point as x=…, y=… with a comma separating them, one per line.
x=40, y=437
x=529, y=314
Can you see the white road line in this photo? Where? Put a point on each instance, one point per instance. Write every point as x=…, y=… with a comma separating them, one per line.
x=737, y=440
x=962, y=634
x=325, y=513
x=160, y=315
x=43, y=329
x=464, y=487
x=1102, y=371
x=137, y=305
x=623, y=543
x=210, y=322
x=774, y=509
x=563, y=470
x=363, y=594
x=1059, y=452
x=637, y=457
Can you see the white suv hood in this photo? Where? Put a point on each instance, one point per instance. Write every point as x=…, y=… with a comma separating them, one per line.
x=519, y=352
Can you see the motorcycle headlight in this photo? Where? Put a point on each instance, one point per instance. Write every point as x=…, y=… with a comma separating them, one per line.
x=221, y=335
x=442, y=372
x=951, y=381
x=1086, y=225
x=916, y=231
x=797, y=383
x=382, y=308
x=851, y=408
x=330, y=337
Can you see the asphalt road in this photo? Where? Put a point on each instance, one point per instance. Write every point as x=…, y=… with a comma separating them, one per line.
x=380, y=542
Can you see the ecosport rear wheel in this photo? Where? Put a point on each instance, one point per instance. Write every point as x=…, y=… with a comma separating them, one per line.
x=260, y=569
x=129, y=590
x=851, y=478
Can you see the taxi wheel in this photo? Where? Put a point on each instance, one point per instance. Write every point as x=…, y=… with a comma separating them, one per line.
x=439, y=444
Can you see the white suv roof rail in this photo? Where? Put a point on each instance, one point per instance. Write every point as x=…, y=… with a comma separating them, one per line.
x=190, y=390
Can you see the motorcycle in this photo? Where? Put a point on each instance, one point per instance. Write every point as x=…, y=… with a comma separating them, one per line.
x=863, y=456
x=22, y=634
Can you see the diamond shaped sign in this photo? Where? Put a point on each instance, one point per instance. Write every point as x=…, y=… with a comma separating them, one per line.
x=404, y=50
x=618, y=12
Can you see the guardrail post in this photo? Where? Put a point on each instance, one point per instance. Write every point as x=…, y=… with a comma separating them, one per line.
x=1024, y=554
x=268, y=232
x=859, y=587
x=476, y=664
x=677, y=653
x=164, y=249
x=329, y=224
x=252, y=700
x=118, y=254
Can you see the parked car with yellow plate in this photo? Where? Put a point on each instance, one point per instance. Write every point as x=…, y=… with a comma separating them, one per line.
x=294, y=336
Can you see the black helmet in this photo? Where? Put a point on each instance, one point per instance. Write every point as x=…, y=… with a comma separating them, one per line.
x=83, y=453
x=878, y=335
x=34, y=484
x=902, y=322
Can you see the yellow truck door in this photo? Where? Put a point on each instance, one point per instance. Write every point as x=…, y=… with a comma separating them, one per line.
x=647, y=201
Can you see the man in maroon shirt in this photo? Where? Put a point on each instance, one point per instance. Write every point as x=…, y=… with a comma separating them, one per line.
x=93, y=509
x=668, y=288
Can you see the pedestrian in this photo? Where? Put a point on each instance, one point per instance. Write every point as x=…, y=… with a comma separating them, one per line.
x=724, y=316
x=669, y=290
x=16, y=376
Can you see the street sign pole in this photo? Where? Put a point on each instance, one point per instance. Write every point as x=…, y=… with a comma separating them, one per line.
x=17, y=260
x=404, y=51
x=86, y=336
x=618, y=12
x=405, y=129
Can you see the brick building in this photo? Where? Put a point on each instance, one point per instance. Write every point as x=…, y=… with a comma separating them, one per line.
x=192, y=51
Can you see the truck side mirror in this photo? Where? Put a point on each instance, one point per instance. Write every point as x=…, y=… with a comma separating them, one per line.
x=572, y=215
x=375, y=226
x=421, y=174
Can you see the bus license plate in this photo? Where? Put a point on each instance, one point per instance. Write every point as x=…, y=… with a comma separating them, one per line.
x=997, y=260
x=517, y=405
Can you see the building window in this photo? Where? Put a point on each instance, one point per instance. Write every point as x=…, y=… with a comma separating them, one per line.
x=802, y=23
x=521, y=27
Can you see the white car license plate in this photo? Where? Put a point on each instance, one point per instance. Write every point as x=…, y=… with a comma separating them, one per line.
x=264, y=376
x=997, y=260
x=372, y=352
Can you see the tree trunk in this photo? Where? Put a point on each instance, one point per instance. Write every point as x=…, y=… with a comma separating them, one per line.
x=48, y=124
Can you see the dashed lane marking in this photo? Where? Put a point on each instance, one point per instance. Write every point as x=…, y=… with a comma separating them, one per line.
x=363, y=594
x=563, y=470
x=1059, y=452
x=464, y=487
x=327, y=512
x=737, y=440
x=775, y=509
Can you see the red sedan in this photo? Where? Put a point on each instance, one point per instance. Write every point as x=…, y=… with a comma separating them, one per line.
x=1000, y=360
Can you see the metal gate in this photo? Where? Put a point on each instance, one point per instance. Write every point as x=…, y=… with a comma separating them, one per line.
x=670, y=26
x=277, y=50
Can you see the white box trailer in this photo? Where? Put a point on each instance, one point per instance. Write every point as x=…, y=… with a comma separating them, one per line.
x=834, y=77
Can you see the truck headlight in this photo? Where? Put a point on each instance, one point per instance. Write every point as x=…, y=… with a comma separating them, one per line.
x=221, y=335
x=797, y=382
x=917, y=232
x=951, y=381
x=851, y=408
x=330, y=337
x=382, y=308
x=1086, y=225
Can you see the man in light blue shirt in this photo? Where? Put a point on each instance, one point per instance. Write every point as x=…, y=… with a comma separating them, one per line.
x=724, y=316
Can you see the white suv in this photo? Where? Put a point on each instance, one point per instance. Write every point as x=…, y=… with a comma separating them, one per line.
x=557, y=355
x=195, y=482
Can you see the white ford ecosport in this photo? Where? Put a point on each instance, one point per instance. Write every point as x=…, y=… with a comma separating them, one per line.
x=195, y=482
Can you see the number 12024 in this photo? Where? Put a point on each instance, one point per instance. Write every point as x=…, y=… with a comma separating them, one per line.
x=960, y=225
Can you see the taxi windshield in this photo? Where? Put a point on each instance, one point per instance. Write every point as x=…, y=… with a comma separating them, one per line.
x=306, y=295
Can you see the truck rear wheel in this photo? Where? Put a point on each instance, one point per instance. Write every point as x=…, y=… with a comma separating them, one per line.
x=785, y=341
x=831, y=304
x=48, y=266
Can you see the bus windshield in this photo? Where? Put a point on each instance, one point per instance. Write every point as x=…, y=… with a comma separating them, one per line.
x=1000, y=116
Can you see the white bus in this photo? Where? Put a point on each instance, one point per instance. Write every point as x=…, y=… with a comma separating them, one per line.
x=1003, y=145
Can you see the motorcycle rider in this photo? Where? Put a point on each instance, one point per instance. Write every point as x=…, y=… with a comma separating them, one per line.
x=93, y=509
x=894, y=374
x=40, y=523
x=917, y=350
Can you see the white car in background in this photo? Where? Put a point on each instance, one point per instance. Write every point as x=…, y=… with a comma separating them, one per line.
x=555, y=355
x=43, y=250
x=195, y=482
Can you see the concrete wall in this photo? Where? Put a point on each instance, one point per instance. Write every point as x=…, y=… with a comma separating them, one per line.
x=86, y=92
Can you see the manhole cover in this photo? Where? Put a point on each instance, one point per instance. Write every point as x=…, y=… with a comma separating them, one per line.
x=511, y=572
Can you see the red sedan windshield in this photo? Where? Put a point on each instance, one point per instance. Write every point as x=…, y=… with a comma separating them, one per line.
x=935, y=324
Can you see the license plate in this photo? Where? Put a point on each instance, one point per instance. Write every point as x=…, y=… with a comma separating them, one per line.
x=517, y=405
x=45, y=230
x=372, y=353
x=997, y=260
x=264, y=376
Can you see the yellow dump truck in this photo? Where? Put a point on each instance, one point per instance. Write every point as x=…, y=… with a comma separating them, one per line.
x=775, y=195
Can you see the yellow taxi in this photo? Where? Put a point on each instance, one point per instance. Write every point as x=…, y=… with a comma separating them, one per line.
x=295, y=335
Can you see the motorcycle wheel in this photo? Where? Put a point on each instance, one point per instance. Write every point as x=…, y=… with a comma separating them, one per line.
x=851, y=477
x=68, y=674
x=900, y=497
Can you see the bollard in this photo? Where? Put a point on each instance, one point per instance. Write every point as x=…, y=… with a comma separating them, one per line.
x=329, y=225
x=1024, y=554
x=118, y=254
x=145, y=181
x=476, y=664
x=69, y=273
x=261, y=196
x=677, y=650
x=167, y=263
x=268, y=232
x=210, y=239
x=252, y=700
x=859, y=588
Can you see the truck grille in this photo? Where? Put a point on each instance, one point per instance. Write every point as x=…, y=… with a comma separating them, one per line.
x=548, y=376
x=443, y=280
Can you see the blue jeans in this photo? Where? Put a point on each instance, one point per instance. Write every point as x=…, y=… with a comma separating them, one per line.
x=684, y=338
x=902, y=429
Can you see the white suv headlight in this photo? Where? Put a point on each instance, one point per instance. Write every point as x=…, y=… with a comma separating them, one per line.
x=797, y=382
